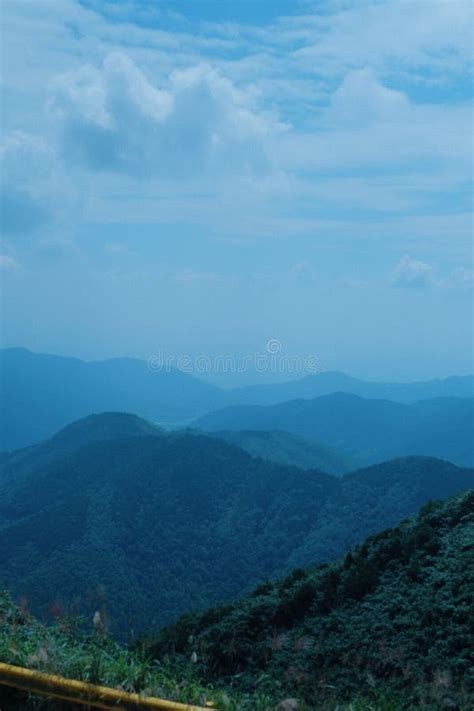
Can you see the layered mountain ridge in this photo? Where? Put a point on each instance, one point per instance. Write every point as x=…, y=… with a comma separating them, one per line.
x=30, y=383
x=150, y=526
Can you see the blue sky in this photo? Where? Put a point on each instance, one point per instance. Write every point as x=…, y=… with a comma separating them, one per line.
x=196, y=176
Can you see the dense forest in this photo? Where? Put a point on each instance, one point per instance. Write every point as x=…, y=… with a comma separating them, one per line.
x=148, y=526
x=387, y=627
x=395, y=613
x=286, y=448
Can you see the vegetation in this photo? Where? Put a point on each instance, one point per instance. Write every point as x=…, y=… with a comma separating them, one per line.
x=368, y=431
x=386, y=628
x=394, y=614
x=147, y=527
x=285, y=448
x=62, y=648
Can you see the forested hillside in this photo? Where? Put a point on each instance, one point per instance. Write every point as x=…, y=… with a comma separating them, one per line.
x=150, y=526
x=387, y=627
x=394, y=614
x=368, y=431
x=286, y=448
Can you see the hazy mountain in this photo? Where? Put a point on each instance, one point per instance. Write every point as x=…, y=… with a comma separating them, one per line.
x=369, y=431
x=286, y=448
x=151, y=526
x=393, y=617
x=318, y=384
x=42, y=393
x=21, y=463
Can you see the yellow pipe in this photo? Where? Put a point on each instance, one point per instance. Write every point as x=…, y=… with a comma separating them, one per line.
x=80, y=692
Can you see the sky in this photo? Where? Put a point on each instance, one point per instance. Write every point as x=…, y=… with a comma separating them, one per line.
x=203, y=177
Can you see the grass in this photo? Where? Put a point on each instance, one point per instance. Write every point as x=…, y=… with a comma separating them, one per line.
x=62, y=649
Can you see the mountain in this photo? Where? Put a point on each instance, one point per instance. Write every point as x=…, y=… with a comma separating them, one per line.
x=326, y=383
x=23, y=463
x=154, y=525
x=368, y=431
x=386, y=627
x=42, y=393
x=286, y=448
x=393, y=617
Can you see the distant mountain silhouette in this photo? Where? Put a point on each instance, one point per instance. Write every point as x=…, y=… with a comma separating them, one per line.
x=325, y=383
x=42, y=393
x=369, y=431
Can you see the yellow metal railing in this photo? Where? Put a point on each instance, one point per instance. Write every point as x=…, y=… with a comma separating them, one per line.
x=80, y=692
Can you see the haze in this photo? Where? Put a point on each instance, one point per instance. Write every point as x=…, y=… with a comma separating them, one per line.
x=199, y=181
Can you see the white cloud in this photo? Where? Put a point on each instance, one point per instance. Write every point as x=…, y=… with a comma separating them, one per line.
x=355, y=283
x=412, y=273
x=367, y=124
x=185, y=276
x=7, y=262
x=387, y=34
x=114, y=118
x=362, y=100
x=303, y=273
x=199, y=120
x=461, y=278
x=28, y=183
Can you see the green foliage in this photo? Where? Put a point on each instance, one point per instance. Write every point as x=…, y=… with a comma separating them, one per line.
x=367, y=622
x=395, y=645
x=148, y=526
x=62, y=649
x=286, y=448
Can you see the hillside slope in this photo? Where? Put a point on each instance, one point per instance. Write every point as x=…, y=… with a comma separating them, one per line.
x=394, y=614
x=368, y=431
x=386, y=628
x=289, y=449
x=148, y=527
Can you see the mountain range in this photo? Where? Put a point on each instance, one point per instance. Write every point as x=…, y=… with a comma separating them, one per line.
x=386, y=627
x=367, y=431
x=327, y=382
x=41, y=393
x=113, y=513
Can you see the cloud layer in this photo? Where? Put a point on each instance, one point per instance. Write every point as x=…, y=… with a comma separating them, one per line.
x=176, y=177
x=114, y=118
